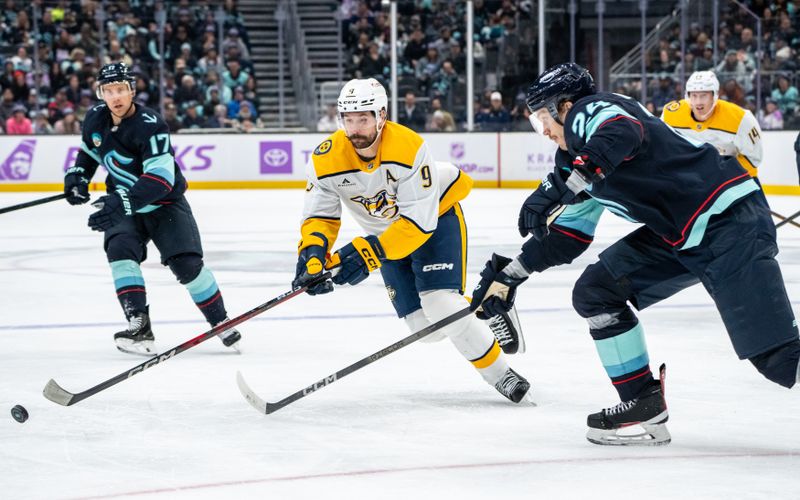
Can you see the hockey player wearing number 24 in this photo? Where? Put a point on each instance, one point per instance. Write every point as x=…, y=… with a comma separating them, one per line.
x=415, y=230
x=145, y=202
x=705, y=221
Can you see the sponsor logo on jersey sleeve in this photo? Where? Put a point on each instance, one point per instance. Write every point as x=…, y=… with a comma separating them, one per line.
x=323, y=148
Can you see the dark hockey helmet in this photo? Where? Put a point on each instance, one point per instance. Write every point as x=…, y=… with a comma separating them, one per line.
x=562, y=82
x=114, y=73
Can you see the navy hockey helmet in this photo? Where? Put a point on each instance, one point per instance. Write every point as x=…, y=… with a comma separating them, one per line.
x=114, y=73
x=562, y=82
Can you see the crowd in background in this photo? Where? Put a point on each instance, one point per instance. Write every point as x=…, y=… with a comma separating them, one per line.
x=208, y=89
x=204, y=89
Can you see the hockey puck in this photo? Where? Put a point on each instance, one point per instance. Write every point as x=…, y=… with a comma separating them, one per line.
x=19, y=413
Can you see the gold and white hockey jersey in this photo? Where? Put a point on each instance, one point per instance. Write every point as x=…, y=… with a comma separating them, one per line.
x=733, y=130
x=398, y=196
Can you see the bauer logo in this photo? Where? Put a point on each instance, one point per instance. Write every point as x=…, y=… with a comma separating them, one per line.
x=17, y=165
x=275, y=157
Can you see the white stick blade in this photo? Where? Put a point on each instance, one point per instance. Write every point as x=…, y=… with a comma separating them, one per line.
x=251, y=397
x=56, y=394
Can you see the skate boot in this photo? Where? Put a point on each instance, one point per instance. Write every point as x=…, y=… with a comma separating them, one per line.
x=513, y=386
x=638, y=422
x=138, y=337
x=508, y=331
x=230, y=337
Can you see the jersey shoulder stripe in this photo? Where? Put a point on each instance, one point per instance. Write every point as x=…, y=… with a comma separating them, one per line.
x=400, y=145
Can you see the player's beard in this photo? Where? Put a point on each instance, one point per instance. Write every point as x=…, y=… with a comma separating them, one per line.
x=362, y=141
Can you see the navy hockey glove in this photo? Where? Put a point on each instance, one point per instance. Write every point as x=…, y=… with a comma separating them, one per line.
x=496, y=291
x=543, y=203
x=113, y=207
x=76, y=186
x=358, y=258
x=310, y=264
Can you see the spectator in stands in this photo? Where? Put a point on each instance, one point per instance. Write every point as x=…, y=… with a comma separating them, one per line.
x=21, y=60
x=69, y=124
x=234, y=76
x=458, y=58
x=373, y=65
x=171, y=117
x=19, y=124
x=19, y=87
x=251, y=94
x=411, y=115
x=416, y=48
x=329, y=122
x=7, y=105
x=209, y=61
x=219, y=119
x=244, y=116
x=734, y=67
x=442, y=44
x=238, y=102
x=785, y=96
x=40, y=124
x=495, y=118
x=233, y=40
x=442, y=121
x=192, y=118
x=427, y=68
x=664, y=92
x=187, y=92
x=73, y=88
x=771, y=118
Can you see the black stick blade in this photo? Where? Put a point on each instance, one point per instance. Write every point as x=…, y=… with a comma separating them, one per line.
x=56, y=394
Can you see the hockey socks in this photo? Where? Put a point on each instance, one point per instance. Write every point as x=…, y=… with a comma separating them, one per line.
x=129, y=284
x=205, y=293
x=624, y=357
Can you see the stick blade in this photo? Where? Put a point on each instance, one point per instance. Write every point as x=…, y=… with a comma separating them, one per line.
x=251, y=397
x=56, y=394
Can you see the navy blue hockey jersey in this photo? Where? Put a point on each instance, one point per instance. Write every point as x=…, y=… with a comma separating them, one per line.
x=653, y=175
x=137, y=155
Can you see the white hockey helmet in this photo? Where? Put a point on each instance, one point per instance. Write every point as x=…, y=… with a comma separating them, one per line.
x=363, y=95
x=702, y=81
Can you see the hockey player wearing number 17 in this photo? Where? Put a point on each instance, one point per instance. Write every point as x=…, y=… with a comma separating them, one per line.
x=705, y=221
x=415, y=230
x=145, y=202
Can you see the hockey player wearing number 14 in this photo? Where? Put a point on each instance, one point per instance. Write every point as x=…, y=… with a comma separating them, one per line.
x=705, y=221
x=145, y=202
x=415, y=229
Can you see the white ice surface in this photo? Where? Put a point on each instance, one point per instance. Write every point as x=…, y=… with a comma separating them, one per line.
x=419, y=423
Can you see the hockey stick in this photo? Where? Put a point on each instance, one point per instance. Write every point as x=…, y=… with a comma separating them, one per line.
x=56, y=394
x=33, y=203
x=786, y=220
x=267, y=408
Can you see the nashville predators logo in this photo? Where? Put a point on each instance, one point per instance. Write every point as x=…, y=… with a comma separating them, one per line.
x=381, y=206
x=323, y=148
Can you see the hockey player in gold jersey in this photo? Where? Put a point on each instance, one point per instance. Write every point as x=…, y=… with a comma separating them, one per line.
x=734, y=131
x=415, y=233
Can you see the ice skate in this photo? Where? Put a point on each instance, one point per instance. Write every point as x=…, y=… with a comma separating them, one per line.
x=514, y=386
x=138, y=337
x=638, y=422
x=508, y=331
x=231, y=337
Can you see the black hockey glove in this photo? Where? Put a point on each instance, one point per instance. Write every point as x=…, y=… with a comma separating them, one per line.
x=311, y=264
x=358, y=258
x=544, y=202
x=113, y=207
x=496, y=291
x=76, y=186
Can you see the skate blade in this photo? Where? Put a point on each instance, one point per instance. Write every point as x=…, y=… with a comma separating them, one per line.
x=143, y=348
x=634, y=435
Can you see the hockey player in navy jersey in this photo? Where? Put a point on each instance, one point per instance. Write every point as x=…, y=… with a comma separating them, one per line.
x=705, y=221
x=145, y=202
